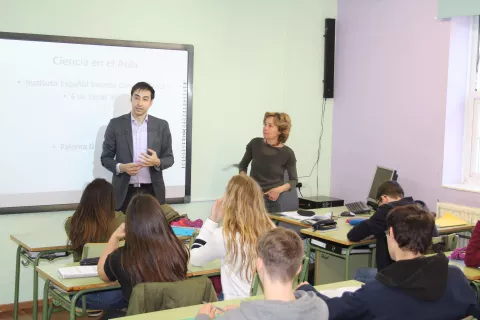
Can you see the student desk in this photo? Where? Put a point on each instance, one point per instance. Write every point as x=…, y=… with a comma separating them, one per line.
x=464, y=228
x=471, y=274
x=43, y=244
x=277, y=218
x=81, y=286
x=335, y=242
x=191, y=311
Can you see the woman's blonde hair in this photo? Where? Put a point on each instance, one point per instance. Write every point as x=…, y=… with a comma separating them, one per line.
x=245, y=219
x=282, y=121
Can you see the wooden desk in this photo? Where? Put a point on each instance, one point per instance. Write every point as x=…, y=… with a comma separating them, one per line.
x=471, y=274
x=448, y=230
x=81, y=286
x=191, y=311
x=43, y=243
x=338, y=237
x=279, y=218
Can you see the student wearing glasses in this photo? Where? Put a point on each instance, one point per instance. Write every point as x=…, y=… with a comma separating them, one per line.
x=415, y=286
x=389, y=196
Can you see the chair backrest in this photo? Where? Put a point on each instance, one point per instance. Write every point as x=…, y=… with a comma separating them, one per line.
x=443, y=243
x=192, y=239
x=257, y=288
x=94, y=250
x=156, y=296
x=289, y=199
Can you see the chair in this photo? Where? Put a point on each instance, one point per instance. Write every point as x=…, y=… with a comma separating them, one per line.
x=257, y=288
x=443, y=243
x=289, y=199
x=156, y=296
x=192, y=239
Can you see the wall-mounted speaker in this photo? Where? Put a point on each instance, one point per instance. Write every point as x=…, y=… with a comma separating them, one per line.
x=329, y=58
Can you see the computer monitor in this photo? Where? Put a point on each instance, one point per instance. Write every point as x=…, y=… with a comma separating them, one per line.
x=381, y=175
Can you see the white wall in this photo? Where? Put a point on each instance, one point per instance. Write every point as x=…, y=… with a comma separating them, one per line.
x=250, y=57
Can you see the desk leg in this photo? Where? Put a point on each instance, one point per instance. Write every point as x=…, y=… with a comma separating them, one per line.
x=17, y=284
x=35, y=283
x=347, y=263
x=35, y=286
x=318, y=258
x=45, y=300
x=73, y=305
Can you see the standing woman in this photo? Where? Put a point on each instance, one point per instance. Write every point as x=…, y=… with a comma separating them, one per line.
x=270, y=158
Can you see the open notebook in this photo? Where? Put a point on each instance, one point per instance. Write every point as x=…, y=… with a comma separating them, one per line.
x=78, y=272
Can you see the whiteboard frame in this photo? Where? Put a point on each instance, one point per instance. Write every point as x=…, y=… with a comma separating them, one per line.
x=116, y=43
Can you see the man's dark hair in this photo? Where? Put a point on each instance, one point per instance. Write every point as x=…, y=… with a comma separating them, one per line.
x=390, y=188
x=412, y=227
x=143, y=86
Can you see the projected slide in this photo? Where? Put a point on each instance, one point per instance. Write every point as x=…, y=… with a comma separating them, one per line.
x=57, y=99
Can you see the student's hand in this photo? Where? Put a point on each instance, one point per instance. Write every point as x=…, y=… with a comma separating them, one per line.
x=216, y=214
x=130, y=168
x=149, y=160
x=302, y=284
x=274, y=193
x=209, y=310
x=119, y=234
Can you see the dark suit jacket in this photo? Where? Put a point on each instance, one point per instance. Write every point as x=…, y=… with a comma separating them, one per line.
x=118, y=148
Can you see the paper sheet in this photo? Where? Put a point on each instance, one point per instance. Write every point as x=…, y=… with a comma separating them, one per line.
x=296, y=216
x=338, y=292
x=449, y=220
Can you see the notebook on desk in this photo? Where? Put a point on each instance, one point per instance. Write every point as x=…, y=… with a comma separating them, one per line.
x=78, y=272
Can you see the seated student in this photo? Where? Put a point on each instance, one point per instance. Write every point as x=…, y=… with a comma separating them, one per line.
x=389, y=195
x=94, y=220
x=245, y=219
x=280, y=256
x=415, y=287
x=152, y=252
x=472, y=255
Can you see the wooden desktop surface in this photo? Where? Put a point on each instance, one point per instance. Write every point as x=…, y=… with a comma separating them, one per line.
x=50, y=271
x=191, y=311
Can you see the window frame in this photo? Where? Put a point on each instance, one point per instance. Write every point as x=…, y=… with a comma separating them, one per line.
x=471, y=151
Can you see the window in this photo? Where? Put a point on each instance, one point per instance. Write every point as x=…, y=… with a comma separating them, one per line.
x=471, y=148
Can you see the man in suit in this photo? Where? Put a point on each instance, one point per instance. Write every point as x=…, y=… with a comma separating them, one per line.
x=137, y=148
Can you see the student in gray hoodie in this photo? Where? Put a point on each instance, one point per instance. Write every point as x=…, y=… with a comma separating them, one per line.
x=280, y=254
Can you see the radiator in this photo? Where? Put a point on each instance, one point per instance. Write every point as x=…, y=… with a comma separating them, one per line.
x=469, y=214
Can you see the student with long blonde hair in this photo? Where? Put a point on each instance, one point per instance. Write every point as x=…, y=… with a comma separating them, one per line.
x=244, y=219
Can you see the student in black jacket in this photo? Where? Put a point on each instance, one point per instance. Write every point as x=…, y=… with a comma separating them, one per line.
x=389, y=195
x=415, y=287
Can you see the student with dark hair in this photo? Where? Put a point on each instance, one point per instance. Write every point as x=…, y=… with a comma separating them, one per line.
x=136, y=149
x=152, y=252
x=95, y=220
x=389, y=195
x=279, y=259
x=415, y=287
